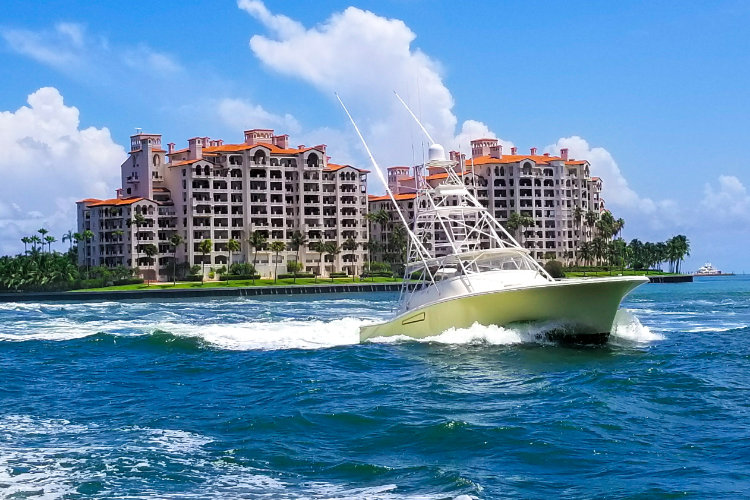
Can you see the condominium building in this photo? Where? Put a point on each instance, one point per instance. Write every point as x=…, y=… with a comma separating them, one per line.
x=555, y=191
x=211, y=190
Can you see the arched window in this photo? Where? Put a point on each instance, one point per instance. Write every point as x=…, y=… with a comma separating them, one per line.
x=312, y=160
x=260, y=157
x=156, y=160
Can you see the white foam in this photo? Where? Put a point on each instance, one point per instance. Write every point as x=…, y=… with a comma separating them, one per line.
x=628, y=327
x=475, y=334
x=717, y=329
x=64, y=457
x=273, y=335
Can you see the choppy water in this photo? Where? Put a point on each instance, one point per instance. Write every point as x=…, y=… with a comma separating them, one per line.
x=274, y=398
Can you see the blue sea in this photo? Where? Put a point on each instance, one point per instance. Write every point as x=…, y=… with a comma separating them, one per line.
x=275, y=398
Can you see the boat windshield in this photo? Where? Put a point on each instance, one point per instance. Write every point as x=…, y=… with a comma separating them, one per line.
x=477, y=262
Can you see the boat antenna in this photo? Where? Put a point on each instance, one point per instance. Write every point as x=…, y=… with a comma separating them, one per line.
x=415, y=118
x=421, y=249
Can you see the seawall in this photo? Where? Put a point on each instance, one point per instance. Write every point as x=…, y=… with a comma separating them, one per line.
x=178, y=293
x=682, y=278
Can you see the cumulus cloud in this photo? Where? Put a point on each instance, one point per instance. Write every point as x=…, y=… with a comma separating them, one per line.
x=365, y=57
x=727, y=203
x=49, y=163
x=652, y=216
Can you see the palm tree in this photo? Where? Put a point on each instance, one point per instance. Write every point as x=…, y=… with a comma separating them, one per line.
x=232, y=246
x=68, y=237
x=204, y=247
x=295, y=242
x=35, y=240
x=50, y=240
x=333, y=250
x=258, y=242
x=350, y=245
x=86, y=236
x=150, y=250
x=381, y=218
x=174, y=241
x=585, y=251
x=397, y=245
x=320, y=247
x=43, y=232
x=371, y=246
x=591, y=218
x=606, y=225
x=678, y=247
x=277, y=247
x=518, y=221
x=599, y=248
x=25, y=240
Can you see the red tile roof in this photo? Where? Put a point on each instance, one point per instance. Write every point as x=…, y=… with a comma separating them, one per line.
x=443, y=175
x=385, y=197
x=333, y=167
x=116, y=201
x=184, y=162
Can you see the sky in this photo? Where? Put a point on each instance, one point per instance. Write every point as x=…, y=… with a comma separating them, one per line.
x=655, y=94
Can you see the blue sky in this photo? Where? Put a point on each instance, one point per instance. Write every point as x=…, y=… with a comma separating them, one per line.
x=655, y=94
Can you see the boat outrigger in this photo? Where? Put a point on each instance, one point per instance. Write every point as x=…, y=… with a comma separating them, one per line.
x=463, y=267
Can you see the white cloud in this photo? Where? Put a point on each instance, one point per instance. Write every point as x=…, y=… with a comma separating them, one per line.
x=616, y=190
x=365, y=57
x=242, y=115
x=70, y=49
x=49, y=163
x=727, y=204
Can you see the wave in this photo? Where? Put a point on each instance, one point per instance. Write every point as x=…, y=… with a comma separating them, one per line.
x=291, y=333
x=627, y=326
x=69, y=459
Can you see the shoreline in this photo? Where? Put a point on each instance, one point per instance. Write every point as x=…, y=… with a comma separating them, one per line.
x=251, y=291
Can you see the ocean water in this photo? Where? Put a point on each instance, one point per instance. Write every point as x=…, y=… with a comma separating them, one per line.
x=275, y=398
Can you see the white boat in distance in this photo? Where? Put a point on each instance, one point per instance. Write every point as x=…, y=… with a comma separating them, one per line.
x=463, y=268
x=708, y=270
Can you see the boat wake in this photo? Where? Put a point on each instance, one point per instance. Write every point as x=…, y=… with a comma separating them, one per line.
x=292, y=333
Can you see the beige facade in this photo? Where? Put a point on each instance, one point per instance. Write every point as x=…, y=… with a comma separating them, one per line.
x=547, y=188
x=217, y=191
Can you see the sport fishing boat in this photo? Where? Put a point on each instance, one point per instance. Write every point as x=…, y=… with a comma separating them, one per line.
x=463, y=267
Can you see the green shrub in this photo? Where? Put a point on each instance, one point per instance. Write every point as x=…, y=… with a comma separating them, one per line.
x=237, y=277
x=293, y=267
x=128, y=281
x=554, y=268
x=192, y=277
x=338, y=275
x=241, y=268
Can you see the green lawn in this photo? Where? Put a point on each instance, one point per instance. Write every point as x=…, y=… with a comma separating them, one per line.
x=241, y=283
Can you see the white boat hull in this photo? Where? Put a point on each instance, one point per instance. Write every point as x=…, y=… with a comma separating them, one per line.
x=587, y=308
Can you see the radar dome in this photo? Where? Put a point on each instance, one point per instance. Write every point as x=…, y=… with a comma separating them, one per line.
x=436, y=153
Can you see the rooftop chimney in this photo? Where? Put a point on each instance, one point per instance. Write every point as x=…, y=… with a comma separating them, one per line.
x=513, y=150
x=533, y=151
x=195, y=148
x=564, y=154
x=496, y=151
x=171, y=147
x=281, y=141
